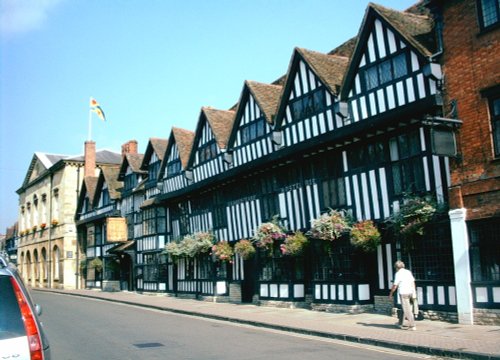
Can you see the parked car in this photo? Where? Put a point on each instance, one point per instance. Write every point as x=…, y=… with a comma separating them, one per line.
x=21, y=332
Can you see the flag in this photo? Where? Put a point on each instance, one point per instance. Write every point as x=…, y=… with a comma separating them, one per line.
x=95, y=107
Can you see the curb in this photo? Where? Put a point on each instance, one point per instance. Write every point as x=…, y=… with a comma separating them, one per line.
x=337, y=336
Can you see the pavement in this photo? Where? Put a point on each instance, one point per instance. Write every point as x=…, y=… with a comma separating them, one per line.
x=436, y=338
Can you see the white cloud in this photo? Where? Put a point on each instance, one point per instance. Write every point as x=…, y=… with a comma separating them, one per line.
x=18, y=16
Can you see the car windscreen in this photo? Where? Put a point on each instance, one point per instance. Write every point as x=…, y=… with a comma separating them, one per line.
x=11, y=322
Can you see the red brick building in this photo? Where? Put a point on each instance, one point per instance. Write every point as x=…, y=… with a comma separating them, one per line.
x=470, y=55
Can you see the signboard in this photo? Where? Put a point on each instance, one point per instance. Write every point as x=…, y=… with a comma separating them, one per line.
x=116, y=229
x=443, y=141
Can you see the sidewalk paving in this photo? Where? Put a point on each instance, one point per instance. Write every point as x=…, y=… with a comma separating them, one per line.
x=432, y=337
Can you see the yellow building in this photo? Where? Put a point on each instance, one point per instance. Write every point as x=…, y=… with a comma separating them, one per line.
x=47, y=250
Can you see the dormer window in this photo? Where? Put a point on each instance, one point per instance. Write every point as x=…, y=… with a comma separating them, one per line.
x=386, y=71
x=153, y=170
x=253, y=130
x=310, y=104
x=207, y=151
x=173, y=167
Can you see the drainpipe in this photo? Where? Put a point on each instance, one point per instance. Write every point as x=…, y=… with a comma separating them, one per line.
x=77, y=272
x=438, y=19
x=49, y=273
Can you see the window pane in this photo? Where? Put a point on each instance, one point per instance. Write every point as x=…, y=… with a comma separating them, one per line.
x=385, y=72
x=399, y=65
x=297, y=109
x=319, y=101
x=490, y=12
x=496, y=106
x=371, y=78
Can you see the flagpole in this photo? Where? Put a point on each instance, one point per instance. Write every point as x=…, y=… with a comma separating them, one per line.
x=90, y=121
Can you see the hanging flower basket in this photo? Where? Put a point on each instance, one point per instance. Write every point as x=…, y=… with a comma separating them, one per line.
x=245, y=249
x=54, y=222
x=43, y=226
x=266, y=234
x=412, y=217
x=34, y=228
x=329, y=226
x=365, y=235
x=222, y=251
x=96, y=264
x=191, y=245
x=294, y=244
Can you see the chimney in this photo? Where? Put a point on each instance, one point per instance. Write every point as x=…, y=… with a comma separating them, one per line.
x=129, y=147
x=89, y=169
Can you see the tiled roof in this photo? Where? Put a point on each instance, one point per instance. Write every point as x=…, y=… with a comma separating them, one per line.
x=329, y=68
x=267, y=97
x=159, y=146
x=91, y=185
x=346, y=49
x=416, y=29
x=221, y=123
x=11, y=231
x=184, y=140
x=110, y=174
x=101, y=157
x=135, y=161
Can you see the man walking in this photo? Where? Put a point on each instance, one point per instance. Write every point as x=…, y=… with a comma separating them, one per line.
x=404, y=282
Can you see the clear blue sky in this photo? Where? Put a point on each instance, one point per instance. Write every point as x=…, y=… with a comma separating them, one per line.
x=151, y=64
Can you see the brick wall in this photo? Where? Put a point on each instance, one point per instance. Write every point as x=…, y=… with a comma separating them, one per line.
x=471, y=64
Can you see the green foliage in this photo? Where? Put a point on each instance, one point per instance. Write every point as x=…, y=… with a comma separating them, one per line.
x=245, y=249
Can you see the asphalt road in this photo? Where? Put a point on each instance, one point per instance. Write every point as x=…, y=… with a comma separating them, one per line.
x=82, y=328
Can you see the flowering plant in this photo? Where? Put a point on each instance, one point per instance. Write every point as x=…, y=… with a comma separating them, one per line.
x=54, y=222
x=412, y=216
x=294, y=244
x=329, y=226
x=96, y=264
x=266, y=234
x=34, y=228
x=191, y=245
x=222, y=251
x=43, y=226
x=244, y=248
x=365, y=235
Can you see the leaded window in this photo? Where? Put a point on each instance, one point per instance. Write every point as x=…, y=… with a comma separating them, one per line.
x=153, y=170
x=173, y=167
x=309, y=104
x=253, y=130
x=494, y=104
x=207, y=151
x=484, y=250
x=386, y=71
x=488, y=13
x=407, y=166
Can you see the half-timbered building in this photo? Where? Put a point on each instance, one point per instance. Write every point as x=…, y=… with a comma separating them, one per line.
x=151, y=242
x=99, y=223
x=132, y=197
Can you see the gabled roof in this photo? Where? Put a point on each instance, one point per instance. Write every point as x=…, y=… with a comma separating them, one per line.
x=329, y=69
x=40, y=164
x=415, y=29
x=109, y=174
x=267, y=98
x=89, y=188
x=132, y=160
x=221, y=122
x=184, y=140
x=155, y=146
